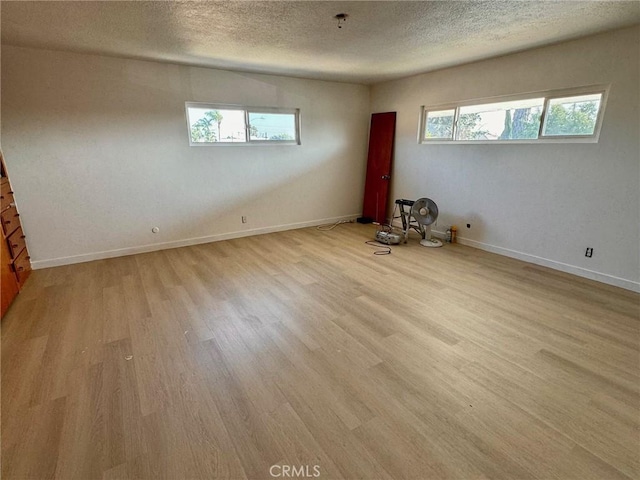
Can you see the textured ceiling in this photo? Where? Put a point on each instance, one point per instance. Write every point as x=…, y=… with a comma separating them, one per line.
x=379, y=41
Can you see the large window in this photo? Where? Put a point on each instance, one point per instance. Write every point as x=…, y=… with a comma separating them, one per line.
x=567, y=115
x=215, y=124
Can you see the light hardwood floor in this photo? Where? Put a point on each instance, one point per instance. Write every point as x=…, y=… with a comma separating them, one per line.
x=302, y=348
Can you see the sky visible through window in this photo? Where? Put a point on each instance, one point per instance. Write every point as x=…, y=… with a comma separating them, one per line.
x=227, y=125
x=565, y=116
x=501, y=121
x=266, y=126
x=231, y=125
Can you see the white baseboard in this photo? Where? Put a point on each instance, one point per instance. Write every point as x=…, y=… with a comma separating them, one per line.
x=121, y=252
x=545, y=262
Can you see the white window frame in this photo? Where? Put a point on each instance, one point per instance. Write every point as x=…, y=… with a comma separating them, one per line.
x=547, y=95
x=423, y=123
x=574, y=93
x=247, y=110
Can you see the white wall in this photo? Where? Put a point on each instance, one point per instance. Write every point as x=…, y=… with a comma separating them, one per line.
x=98, y=153
x=544, y=203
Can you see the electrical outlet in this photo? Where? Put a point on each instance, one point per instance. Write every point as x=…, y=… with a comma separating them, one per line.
x=589, y=252
x=244, y=219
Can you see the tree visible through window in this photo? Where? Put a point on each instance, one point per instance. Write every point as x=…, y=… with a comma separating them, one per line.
x=272, y=126
x=211, y=124
x=470, y=127
x=514, y=120
x=572, y=115
x=203, y=129
x=575, y=115
x=524, y=124
x=439, y=124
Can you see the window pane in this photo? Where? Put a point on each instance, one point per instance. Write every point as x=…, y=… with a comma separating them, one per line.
x=570, y=116
x=517, y=120
x=439, y=124
x=272, y=126
x=207, y=125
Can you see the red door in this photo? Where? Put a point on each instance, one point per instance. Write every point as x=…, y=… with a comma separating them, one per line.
x=376, y=188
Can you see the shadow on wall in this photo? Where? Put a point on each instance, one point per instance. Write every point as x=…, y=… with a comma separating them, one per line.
x=106, y=155
x=292, y=196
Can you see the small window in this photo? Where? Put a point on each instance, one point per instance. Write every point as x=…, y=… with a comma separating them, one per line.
x=439, y=124
x=213, y=124
x=572, y=116
x=272, y=127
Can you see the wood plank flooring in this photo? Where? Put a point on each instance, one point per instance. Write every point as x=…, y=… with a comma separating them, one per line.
x=302, y=348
